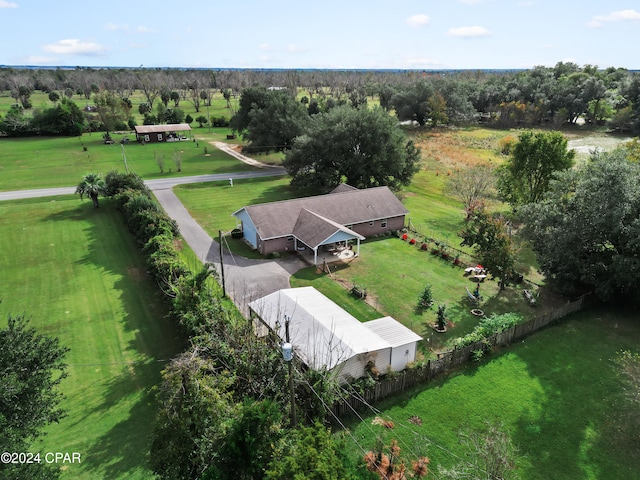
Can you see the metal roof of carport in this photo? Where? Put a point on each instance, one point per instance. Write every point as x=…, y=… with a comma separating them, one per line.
x=170, y=127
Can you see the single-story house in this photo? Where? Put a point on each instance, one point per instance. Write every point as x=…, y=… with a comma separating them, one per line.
x=173, y=132
x=345, y=214
x=324, y=335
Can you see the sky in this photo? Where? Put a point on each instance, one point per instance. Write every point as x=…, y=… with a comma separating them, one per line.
x=328, y=34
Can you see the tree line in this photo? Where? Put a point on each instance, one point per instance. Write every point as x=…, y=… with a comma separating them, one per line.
x=542, y=96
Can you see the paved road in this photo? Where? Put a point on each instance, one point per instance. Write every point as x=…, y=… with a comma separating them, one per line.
x=245, y=279
x=156, y=184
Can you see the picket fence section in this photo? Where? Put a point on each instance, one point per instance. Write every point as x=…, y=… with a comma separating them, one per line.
x=359, y=401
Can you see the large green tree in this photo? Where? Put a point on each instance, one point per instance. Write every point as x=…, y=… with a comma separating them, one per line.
x=414, y=103
x=112, y=110
x=491, y=237
x=364, y=148
x=534, y=160
x=269, y=119
x=65, y=118
x=585, y=230
x=31, y=368
x=196, y=405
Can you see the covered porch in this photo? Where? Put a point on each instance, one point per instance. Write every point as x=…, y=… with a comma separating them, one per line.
x=324, y=239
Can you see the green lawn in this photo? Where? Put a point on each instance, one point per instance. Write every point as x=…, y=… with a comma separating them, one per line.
x=62, y=161
x=557, y=394
x=212, y=203
x=385, y=262
x=76, y=272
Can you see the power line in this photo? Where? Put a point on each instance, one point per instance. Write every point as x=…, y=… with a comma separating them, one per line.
x=362, y=449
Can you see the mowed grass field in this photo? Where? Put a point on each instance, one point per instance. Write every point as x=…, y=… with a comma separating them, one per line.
x=76, y=273
x=62, y=161
x=557, y=394
x=393, y=272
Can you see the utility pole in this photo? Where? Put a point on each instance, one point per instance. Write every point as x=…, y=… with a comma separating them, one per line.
x=224, y=290
x=287, y=352
x=126, y=167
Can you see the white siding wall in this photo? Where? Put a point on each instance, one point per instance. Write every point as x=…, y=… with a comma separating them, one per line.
x=355, y=367
x=400, y=357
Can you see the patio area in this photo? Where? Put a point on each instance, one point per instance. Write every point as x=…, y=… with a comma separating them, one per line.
x=330, y=253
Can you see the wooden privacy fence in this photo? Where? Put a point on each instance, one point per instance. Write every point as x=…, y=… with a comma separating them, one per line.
x=358, y=401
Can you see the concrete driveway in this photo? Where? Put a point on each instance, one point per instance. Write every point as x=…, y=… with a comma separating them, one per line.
x=245, y=279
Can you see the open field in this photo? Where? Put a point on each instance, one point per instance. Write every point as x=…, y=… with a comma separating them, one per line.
x=62, y=161
x=76, y=272
x=218, y=106
x=557, y=394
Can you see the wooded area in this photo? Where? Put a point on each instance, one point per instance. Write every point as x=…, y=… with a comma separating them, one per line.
x=564, y=94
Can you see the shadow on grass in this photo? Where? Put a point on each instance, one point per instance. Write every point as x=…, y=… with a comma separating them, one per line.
x=125, y=448
x=145, y=340
x=583, y=426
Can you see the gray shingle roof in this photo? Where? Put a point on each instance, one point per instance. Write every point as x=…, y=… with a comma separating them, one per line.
x=347, y=207
x=313, y=229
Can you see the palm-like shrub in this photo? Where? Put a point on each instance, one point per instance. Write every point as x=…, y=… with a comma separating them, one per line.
x=92, y=185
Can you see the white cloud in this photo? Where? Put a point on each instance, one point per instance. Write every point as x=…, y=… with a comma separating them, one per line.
x=143, y=29
x=418, y=20
x=617, y=16
x=265, y=47
x=113, y=27
x=73, y=46
x=471, y=2
x=469, y=32
x=5, y=4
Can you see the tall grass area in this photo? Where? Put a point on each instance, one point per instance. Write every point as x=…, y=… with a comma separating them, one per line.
x=557, y=393
x=76, y=272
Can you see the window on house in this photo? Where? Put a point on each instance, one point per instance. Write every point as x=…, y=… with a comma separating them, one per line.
x=146, y=138
x=290, y=238
x=372, y=223
x=383, y=223
x=159, y=137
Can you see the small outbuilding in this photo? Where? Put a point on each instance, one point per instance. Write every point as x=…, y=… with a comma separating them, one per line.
x=324, y=335
x=162, y=133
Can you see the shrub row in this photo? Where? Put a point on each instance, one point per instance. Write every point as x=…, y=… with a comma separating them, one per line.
x=153, y=230
x=487, y=327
